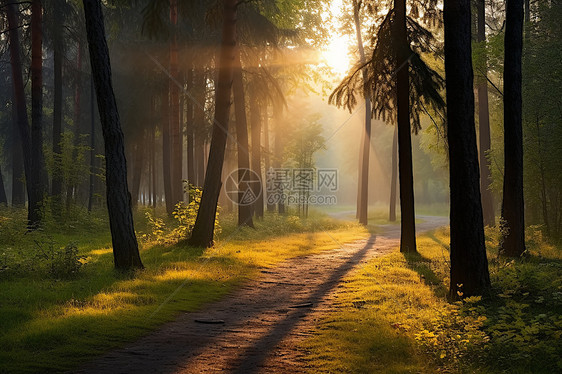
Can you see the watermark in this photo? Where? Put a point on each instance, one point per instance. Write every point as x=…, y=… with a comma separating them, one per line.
x=243, y=187
x=299, y=186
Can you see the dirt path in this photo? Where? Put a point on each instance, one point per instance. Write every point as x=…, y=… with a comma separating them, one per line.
x=264, y=321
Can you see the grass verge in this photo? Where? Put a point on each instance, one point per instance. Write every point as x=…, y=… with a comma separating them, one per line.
x=392, y=316
x=53, y=324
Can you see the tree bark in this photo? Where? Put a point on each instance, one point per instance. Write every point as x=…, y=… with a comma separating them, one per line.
x=125, y=246
x=244, y=209
x=203, y=230
x=484, y=125
x=469, y=265
x=366, y=136
x=405, y=169
x=394, y=172
x=512, y=205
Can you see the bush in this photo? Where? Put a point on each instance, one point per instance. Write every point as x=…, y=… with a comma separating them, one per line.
x=184, y=215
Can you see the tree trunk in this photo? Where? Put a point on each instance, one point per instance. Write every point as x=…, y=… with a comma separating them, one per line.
x=469, y=265
x=244, y=209
x=190, y=122
x=21, y=111
x=366, y=136
x=278, y=152
x=394, y=172
x=125, y=246
x=199, y=127
x=175, y=125
x=203, y=230
x=255, y=124
x=92, y=147
x=71, y=185
x=267, y=159
x=512, y=205
x=138, y=163
x=38, y=177
x=484, y=126
x=166, y=152
x=3, y=198
x=18, y=186
x=153, y=161
x=58, y=51
x=405, y=170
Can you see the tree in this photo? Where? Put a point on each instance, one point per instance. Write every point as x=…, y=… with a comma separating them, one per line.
x=363, y=196
x=400, y=85
x=513, y=243
x=484, y=121
x=57, y=19
x=469, y=265
x=175, y=125
x=3, y=198
x=125, y=246
x=405, y=167
x=394, y=172
x=31, y=176
x=38, y=177
x=244, y=210
x=203, y=229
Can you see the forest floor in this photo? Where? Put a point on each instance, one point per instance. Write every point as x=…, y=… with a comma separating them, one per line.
x=259, y=327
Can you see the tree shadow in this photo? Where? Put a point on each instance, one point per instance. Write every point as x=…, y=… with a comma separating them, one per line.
x=423, y=266
x=178, y=345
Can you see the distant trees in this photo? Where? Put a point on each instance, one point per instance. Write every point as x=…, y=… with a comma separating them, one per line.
x=125, y=246
x=32, y=170
x=542, y=121
x=512, y=205
x=469, y=265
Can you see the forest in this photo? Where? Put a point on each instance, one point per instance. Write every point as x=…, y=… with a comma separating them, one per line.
x=275, y=186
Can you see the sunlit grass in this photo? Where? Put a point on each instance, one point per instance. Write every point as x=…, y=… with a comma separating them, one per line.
x=63, y=322
x=391, y=316
x=379, y=308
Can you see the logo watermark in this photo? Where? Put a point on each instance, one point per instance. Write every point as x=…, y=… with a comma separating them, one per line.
x=291, y=186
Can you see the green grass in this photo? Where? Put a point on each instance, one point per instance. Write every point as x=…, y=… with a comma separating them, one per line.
x=51, y=324
x=392, y=316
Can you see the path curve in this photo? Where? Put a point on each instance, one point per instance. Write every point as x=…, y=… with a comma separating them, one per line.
x=264, y=321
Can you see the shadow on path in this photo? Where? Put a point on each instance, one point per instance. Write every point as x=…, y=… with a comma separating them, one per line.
x=257, y=318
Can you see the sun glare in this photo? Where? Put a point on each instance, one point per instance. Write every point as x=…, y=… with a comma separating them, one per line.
x=335, y=54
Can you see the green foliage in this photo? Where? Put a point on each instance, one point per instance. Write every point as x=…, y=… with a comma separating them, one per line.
x=454, y=333
x=184, y=216
x=61, y=262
